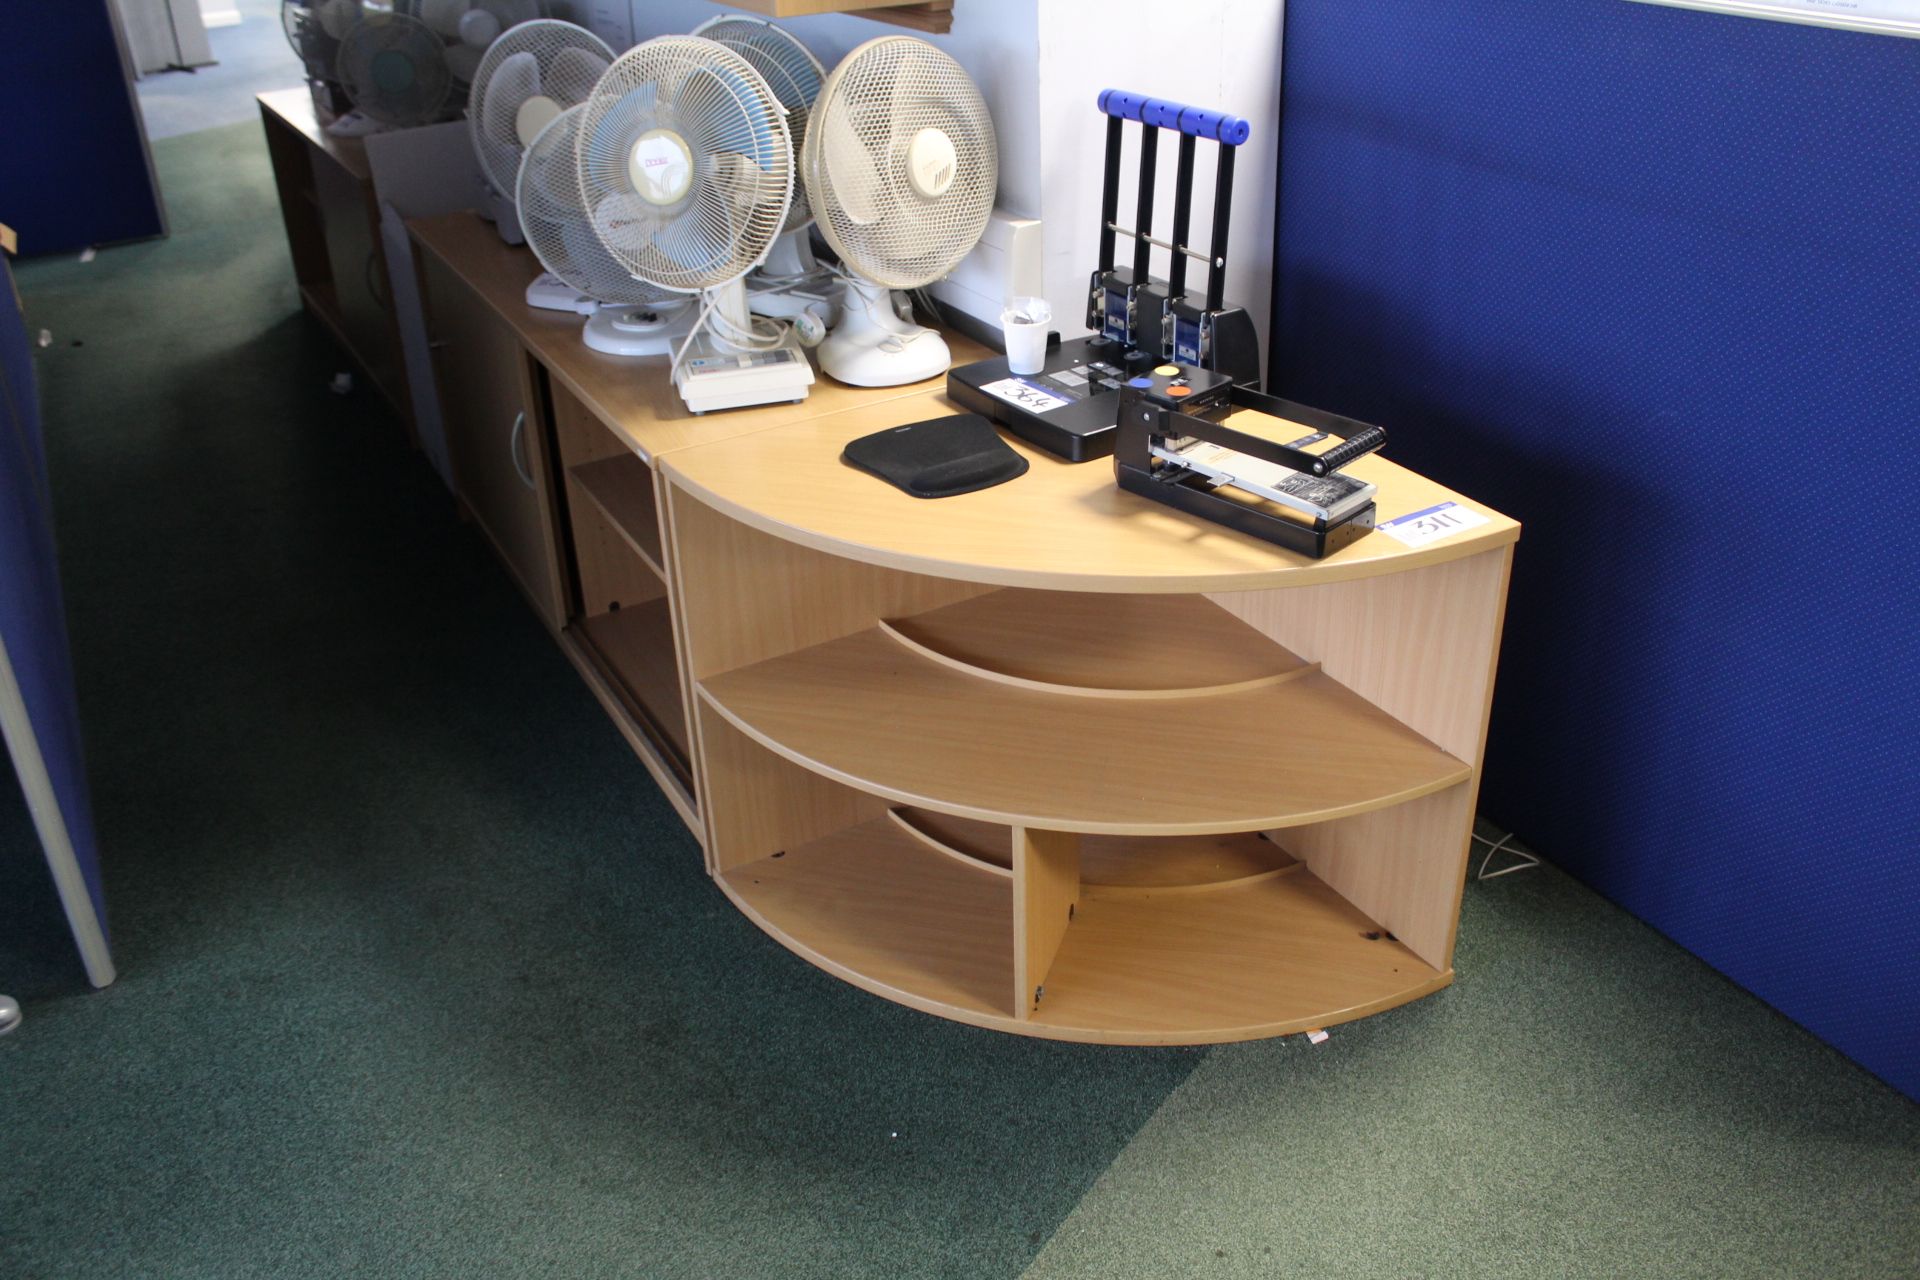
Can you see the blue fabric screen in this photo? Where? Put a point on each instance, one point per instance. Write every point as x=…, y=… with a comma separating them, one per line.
x=33, y=622
x=1649, y=280
x=73, y=154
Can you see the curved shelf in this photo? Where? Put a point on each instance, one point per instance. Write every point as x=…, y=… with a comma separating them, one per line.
x=882, y=910
x=1105, y=646
x=877, y=716
x=1114, y=864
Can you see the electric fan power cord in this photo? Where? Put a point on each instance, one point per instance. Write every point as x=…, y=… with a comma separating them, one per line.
x=760, y=334
x=866, y=303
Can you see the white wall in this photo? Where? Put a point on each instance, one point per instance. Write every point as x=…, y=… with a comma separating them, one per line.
x=1230, y=61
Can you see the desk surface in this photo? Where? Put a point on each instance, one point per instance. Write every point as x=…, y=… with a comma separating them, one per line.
x=295, y=107
x=634, y=396
x=1065, y=526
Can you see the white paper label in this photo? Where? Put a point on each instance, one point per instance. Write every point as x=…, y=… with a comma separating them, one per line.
x=1025, y=395
x=1418, y=528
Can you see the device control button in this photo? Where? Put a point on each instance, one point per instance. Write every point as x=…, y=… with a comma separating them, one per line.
x=1139, y=382
x=1167, y=370
x=1179, y=392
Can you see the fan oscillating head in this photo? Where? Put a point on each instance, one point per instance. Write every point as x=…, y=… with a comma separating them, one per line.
x=789, y=68
x=685, y=163
x=527, y=77
x=900, y=162
x=394, y=69
x=556, y=224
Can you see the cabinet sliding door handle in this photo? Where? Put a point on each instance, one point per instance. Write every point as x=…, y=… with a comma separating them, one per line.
x=514, y=447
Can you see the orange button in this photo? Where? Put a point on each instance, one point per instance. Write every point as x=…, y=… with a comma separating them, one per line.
x=1167, y=370
x=1178, y=392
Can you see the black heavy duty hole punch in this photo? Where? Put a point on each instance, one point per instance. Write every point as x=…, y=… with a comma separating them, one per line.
x=1175, y=448
x=1140, y=321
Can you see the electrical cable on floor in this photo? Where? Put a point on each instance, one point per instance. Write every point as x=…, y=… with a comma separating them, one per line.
x=1496, y=846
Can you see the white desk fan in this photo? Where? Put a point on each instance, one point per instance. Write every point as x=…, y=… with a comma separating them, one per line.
x=686, y=167
x=901, y=165
x=527, y=77
x=314, y=28
x=626, y=317
x=790, y=283
x=469, y=28
x=393, y=69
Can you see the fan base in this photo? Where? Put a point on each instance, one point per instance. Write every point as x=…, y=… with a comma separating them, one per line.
x=548, y=292
x=637, y=331
x=871, y=357
x=500, y=211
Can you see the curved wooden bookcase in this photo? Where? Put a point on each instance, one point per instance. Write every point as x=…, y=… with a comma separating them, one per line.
x=1053, y=760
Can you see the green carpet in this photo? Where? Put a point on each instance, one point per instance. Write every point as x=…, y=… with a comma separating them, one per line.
x=421, y=977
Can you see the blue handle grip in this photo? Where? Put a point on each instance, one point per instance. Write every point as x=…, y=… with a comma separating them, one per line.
x=1216, y=126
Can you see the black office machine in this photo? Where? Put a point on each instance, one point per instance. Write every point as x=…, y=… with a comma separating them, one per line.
x=1174, y=447
x=1140, y=322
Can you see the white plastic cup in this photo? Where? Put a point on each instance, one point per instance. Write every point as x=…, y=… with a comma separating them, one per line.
x=1024, y=325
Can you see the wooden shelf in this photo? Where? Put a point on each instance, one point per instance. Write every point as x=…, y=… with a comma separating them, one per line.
x=1061, y=526
x=622, y=488
x=1116, y=863
x=635, y=644
x=877, y=715
x=885, y=911
x=1100, y=645
x=634, y=397
x=294, y=108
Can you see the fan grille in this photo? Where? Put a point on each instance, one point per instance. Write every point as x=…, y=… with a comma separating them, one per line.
x=556, y=60
x=307, y=24
x=556, y=224
x=469, y=28
x=394, y=69
x=790, y=70
x=873, y=107
x=741, y=175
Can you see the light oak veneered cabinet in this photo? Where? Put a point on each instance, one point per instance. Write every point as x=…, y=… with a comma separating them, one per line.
x=1046, y=757
x=496, y=432
x=1054, y=760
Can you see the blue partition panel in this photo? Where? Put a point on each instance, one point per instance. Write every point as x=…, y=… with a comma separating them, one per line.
x=74, y=168
x=33, y=631
x=1649, y=279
